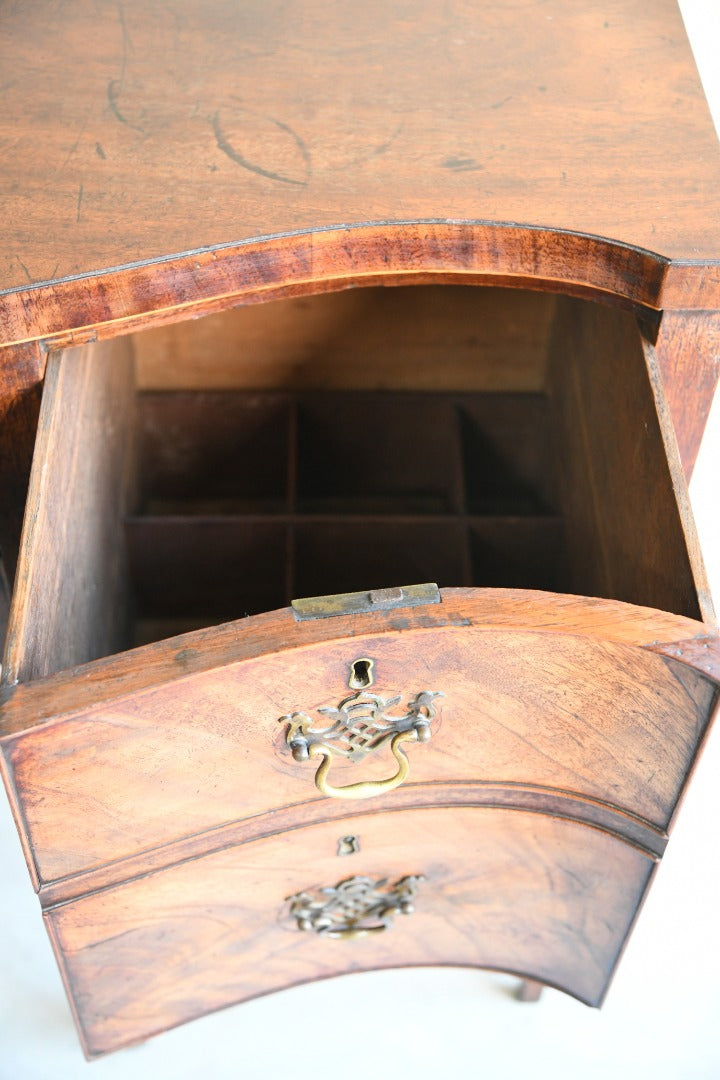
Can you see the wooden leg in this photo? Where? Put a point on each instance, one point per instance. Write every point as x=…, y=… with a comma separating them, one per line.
x=529, y=990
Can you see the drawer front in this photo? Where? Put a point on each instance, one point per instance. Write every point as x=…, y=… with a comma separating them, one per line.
x=125, y=784
x=526, y=893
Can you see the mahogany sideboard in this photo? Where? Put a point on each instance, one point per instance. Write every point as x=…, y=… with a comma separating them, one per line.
x=466, y=740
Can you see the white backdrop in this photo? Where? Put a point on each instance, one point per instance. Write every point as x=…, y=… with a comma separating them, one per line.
x=661, y=1018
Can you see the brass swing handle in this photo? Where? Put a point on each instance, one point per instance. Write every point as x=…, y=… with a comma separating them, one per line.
x=362, y=727
x=363, y=789
x=350, y=933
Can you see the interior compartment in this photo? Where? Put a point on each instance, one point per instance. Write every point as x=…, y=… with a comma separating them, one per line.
x=208, y=470
x=247, y=499
x=389, y=453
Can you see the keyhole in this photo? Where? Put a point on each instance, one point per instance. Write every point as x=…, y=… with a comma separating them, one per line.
x=348, y=845
x=361, y=675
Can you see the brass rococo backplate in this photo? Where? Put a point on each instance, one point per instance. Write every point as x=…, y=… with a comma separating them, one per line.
x=361, y=725
x=354, y=908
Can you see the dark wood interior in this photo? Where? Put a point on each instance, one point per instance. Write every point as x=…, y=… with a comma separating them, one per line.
x=268, y=496
x=343, y=442
x=484, y=441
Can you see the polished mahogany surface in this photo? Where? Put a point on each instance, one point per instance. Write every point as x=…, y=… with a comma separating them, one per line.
x=137, y=131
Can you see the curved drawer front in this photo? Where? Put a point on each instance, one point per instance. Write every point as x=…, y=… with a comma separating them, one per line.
x=596, y=719
x=519, y=892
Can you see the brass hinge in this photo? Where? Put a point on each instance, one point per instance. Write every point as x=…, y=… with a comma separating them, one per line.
x=357, y=603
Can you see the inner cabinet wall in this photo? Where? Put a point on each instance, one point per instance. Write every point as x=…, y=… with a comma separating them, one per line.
x=221, y=467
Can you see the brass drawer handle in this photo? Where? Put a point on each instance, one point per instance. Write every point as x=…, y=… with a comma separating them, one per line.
x=362, y=789
x=360, y=726
x=355, y=908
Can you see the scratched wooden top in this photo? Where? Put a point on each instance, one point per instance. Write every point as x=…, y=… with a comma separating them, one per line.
x=138, y=130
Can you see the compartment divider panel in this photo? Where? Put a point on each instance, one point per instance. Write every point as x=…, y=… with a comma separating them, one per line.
x=335, y=491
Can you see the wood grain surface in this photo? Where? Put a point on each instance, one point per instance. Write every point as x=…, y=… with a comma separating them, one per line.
x=196, y=158
x=506, y=890
x=688, y=353
x=600, y=719
x=26, y=705
x=629, y=527
x=578, y=120
x=21, y=373
x=357, y=489
x=71, y=585
x=411, y=338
